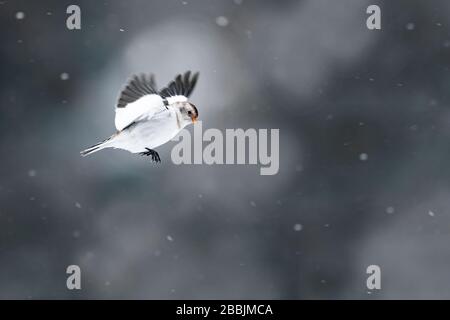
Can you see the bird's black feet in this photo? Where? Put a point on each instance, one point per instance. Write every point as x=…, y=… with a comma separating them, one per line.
x=152, y=153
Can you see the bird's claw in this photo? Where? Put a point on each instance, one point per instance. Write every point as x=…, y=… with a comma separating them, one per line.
x=152, y=153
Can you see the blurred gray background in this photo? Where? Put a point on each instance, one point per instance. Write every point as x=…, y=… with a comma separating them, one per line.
x=364, y=123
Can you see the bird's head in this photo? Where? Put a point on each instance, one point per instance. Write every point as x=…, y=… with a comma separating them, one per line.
x=189, y=112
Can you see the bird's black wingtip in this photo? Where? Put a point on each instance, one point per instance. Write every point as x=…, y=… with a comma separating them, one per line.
x=183, y=85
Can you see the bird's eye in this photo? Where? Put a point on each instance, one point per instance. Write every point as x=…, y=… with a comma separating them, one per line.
x=189, y=112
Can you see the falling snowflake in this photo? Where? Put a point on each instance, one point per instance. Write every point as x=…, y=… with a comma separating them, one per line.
x=20, y=15
x=32, y=173
x=222, y=21
x=64, y=76
x=363, y=156
x=431, y=213
x=410, y=26
x=298, y=227
x=390, y=210
x=169, y=238
x=78, y=205
x=252, y=203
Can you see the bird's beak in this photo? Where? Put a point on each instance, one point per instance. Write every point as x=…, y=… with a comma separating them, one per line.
x=194, y=119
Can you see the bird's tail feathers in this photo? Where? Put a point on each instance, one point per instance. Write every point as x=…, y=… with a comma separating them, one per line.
x=96, y=147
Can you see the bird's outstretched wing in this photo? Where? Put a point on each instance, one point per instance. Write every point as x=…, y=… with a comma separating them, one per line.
x=138, y=100
x=180, y=88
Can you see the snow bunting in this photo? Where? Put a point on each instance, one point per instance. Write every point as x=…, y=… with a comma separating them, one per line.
x=147, y=118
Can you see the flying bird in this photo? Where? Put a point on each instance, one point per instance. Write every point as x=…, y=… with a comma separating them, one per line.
x=147, y=118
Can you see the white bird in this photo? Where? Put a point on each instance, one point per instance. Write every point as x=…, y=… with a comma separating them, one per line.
x=147, y=118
